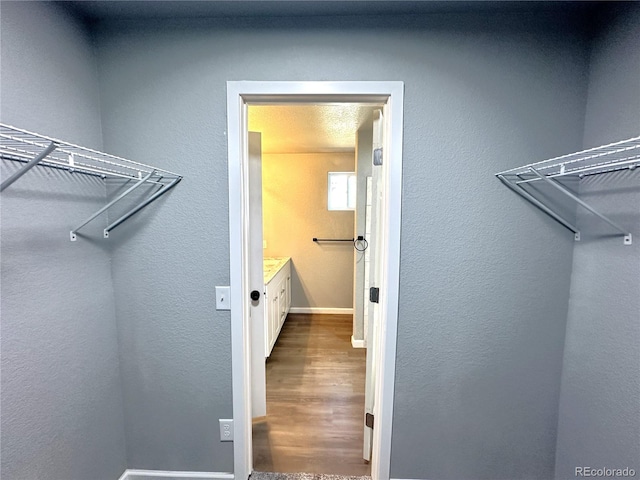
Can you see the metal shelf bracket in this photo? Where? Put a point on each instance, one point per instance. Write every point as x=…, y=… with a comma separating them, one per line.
x=519, y=189
x=32, y=163
x=73, y=232
x=554, y=183
x=164, y=189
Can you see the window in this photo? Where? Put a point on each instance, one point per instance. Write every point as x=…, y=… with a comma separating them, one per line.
x=341, y=191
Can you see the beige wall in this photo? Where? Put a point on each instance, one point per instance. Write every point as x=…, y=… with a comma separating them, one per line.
x=294, y=188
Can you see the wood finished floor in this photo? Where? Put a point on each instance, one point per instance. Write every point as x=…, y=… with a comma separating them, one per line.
x=315, y=400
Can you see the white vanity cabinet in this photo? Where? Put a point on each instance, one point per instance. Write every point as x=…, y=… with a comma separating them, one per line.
x=277, y=298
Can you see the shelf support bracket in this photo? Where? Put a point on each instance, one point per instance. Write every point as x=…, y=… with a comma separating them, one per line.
x=554, y=183
x=73, y=232
x=32, y=163
x=146, y=202
x=526, y=195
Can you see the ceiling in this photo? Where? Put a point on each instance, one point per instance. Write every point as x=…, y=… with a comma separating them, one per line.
x=96, y=10
x=309, y=128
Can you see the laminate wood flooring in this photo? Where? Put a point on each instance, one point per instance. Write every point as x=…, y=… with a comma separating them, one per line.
x=315, y=400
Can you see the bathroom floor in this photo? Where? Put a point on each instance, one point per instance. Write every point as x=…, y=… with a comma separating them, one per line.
x=315, y=400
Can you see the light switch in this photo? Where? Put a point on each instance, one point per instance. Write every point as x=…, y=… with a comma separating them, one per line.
x=223, y=298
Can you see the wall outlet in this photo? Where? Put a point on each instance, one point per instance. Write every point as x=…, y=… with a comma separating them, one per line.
x=226, y=430
x=264, y=244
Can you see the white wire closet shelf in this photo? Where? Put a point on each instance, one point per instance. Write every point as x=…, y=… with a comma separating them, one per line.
x=33, y=149
x=622, y=155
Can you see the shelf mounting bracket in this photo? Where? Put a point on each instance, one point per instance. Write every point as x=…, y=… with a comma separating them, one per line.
x=73, y=232
x=32, y=163
x=146, y=202
x=554, y=183
x=517, y=188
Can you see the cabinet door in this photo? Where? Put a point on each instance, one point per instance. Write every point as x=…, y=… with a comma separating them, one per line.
x=274, y=306
x=288, y=271
x=282, y=304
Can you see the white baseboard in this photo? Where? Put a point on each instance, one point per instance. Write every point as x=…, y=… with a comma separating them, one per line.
x=133, y=474
x=322, y=310
x=357, y=343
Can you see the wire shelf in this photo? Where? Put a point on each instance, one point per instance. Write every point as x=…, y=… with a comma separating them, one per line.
x=604, y=159
x=34, y=150
x=623, y=155
x=21, y=145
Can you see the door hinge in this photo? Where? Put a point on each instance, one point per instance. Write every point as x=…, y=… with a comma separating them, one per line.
x=377, y=157
x=368, y=420
x=374, y=294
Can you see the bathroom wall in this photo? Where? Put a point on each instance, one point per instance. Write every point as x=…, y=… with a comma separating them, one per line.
x=480, y=337
x=62, y=414
x=294, y=203
x=599, y=422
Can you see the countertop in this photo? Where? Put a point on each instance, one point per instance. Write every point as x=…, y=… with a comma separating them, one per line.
x=272, y=265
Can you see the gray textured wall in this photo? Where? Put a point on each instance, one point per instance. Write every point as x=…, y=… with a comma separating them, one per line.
x=62, y=415
x=599, y=422
x=480, y=335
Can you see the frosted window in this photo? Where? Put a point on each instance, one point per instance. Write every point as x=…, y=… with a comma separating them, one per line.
x=342, y=191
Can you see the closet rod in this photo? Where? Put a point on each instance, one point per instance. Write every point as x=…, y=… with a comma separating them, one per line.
x=32, y=163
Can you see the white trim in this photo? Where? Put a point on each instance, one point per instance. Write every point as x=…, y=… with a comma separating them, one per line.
x=357, y=343
x=237, y=145
x=175, y=474
x=239, y=93
x=322, y=310
x=389, y=290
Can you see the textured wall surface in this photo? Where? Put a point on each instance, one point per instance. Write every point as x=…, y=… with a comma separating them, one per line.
x=62, y=415
x=49, y=73
x=599, y=422
x=294, y=202
x=484, y=276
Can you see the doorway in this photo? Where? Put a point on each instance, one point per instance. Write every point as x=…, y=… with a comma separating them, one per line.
x=308, y=408
x=239, y=96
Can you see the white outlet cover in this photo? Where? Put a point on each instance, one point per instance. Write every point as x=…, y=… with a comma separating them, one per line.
x=223, y=298
x=226, y=430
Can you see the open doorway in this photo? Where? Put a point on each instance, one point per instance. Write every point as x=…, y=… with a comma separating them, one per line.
x=247, y=256
x=316, y=230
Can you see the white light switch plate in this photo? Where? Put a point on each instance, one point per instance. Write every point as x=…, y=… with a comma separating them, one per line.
x=223, y=298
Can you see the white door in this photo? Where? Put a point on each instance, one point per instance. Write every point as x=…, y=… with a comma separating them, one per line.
x=256, y=279
x=373, y=316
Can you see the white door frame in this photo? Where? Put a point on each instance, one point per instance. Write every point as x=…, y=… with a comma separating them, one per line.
x=239, y=95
